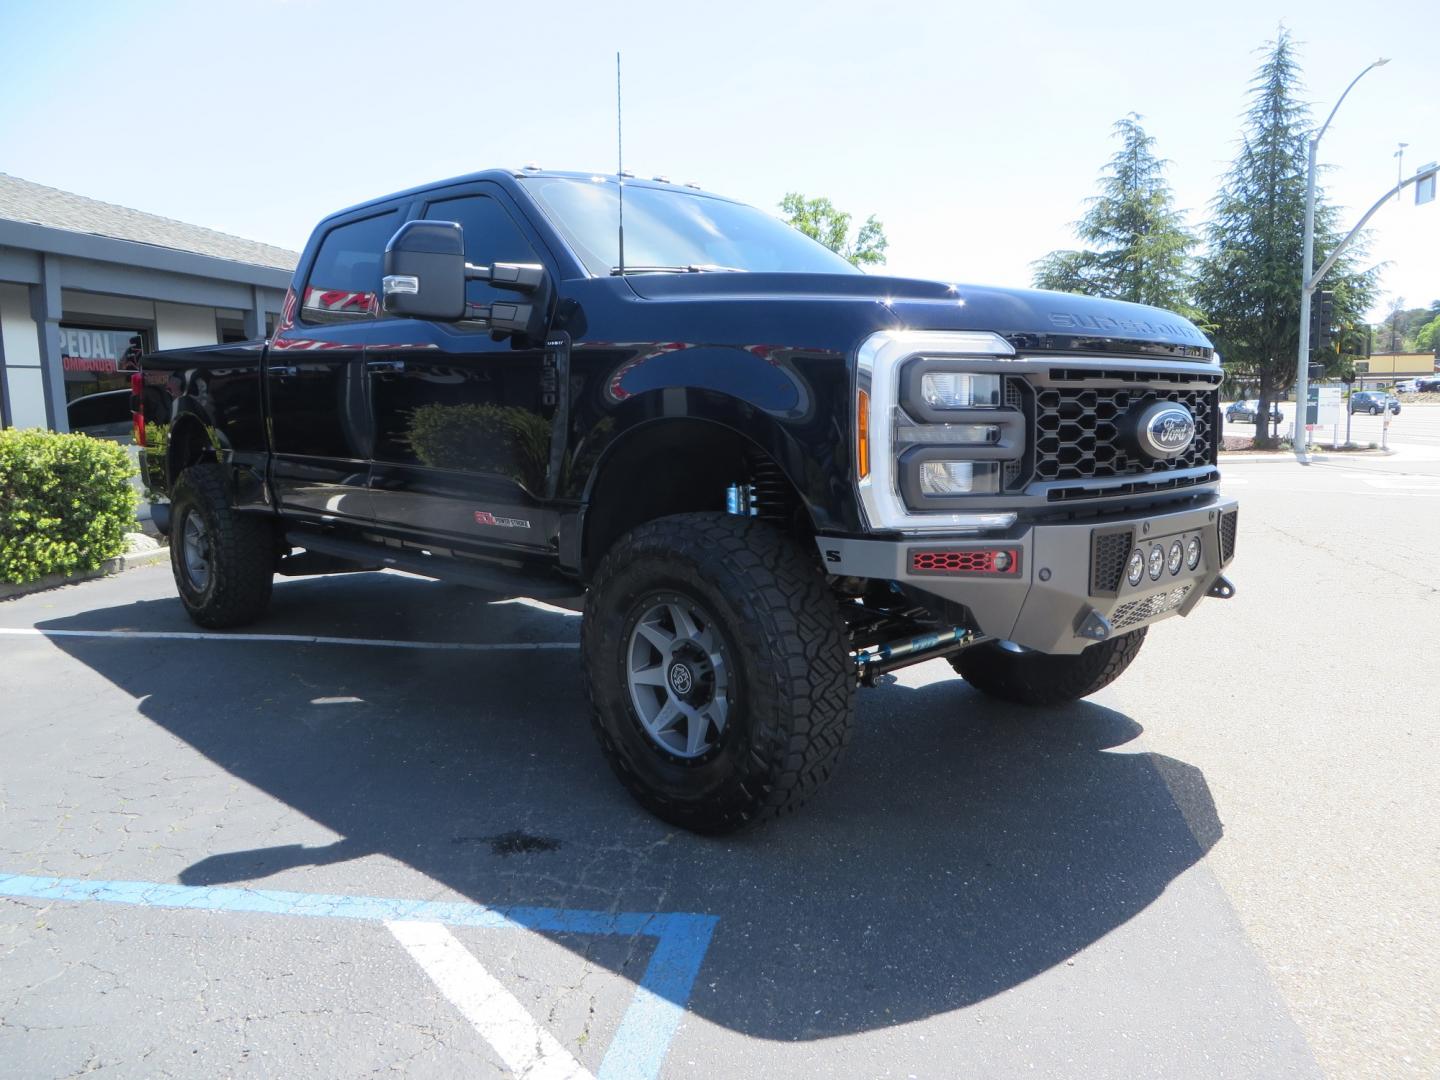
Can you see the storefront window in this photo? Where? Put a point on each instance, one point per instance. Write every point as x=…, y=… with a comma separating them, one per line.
x=97, y=362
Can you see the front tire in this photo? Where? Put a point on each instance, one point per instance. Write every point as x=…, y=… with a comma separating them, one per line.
x=223, y=560
x=1036, y=678
x=717, y=668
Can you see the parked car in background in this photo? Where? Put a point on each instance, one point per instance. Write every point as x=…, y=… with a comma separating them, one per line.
x=1244, y=412
x=1423, y=385
x=1373, y=402
x=1407, y=386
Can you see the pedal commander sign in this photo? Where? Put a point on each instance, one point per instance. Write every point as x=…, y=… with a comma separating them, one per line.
x=99, y=350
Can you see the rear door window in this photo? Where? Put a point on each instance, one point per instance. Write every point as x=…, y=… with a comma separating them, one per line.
x=344, y=282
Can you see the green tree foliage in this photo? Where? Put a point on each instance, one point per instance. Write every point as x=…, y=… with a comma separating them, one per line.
x=65, y=503
x=1401, y=330
x=819, y=220
x=1137, y=243
x=1427, y=338
x=1249, y=282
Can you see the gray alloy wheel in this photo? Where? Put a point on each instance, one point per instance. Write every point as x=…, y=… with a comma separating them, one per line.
x=678, y=676
x=195, y=551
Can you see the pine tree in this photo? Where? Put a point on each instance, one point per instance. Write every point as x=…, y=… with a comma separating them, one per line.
x=1137, y=243
x=1249, y=280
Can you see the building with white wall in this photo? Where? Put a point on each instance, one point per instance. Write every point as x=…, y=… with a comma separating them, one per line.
x=86, y=286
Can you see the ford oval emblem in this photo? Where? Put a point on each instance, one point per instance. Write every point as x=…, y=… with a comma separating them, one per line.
x=1166, y=430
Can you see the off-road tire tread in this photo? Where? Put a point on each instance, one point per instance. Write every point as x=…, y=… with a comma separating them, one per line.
x=242, y=546
x=794, y=643
x=1034, y=678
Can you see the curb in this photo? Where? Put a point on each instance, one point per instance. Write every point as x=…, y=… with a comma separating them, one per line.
x=109, y=567
x=1235, y=459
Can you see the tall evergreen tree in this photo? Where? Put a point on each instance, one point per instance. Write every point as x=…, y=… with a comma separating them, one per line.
x=1137, y=243
x=1249, y=280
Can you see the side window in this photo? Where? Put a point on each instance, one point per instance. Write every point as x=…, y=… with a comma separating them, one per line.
x=491, y=236
x=345, y=280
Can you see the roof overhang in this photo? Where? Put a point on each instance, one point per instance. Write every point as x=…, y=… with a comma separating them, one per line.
x=40, y=238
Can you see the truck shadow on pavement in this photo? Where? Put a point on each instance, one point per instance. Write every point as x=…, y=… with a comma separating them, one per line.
x=964, y=847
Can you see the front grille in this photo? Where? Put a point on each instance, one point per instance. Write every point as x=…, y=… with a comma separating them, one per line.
x=1139, y=610
x=1107, y=563
x=1228, y=522
x=1078, y=432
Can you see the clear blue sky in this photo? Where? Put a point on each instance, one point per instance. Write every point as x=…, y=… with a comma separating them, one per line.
x=974, y=131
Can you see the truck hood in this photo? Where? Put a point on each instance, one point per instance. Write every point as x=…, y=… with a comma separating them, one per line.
x=1032, y=320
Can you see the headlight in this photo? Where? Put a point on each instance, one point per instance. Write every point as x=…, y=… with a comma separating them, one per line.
x=1192, y=553
x=942, y=479
x=954, y=390
x=1177, y=553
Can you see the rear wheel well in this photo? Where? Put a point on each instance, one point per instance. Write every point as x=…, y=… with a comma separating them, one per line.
x=680, y=467
x=189, y=445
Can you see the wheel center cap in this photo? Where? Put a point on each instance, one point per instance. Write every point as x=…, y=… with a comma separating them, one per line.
x=682, y=679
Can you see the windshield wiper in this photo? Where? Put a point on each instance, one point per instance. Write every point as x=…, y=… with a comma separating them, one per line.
x=693, y=268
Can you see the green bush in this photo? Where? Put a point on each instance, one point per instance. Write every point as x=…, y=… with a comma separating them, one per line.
x=65, y=503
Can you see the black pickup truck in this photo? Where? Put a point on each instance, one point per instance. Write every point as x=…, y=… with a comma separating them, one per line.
x=773, y=478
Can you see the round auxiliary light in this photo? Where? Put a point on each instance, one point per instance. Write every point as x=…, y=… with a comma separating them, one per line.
x=1157, y=562
x=1177, y=555
x=1192, y=553
x=1001, y=561
x=1135, y=570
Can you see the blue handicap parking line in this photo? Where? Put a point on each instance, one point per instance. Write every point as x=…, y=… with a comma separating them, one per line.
x=645, y=1031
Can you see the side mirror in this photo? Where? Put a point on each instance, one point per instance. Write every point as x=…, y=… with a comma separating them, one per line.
x=425, y=271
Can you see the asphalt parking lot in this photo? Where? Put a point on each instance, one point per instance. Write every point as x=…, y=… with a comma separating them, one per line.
x=374, y=834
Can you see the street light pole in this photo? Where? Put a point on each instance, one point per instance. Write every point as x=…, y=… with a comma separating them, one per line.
x=1302, y=367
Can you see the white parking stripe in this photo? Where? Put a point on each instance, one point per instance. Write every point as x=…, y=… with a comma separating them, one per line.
x=527, y=1048
x=293, y=639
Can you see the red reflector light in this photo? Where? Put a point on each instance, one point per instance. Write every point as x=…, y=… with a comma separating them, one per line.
x=1002, y=562
x=137, y=406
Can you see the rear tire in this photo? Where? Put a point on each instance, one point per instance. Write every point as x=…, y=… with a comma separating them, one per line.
x=223, y=560
x=766, y=685
x=1036, y=678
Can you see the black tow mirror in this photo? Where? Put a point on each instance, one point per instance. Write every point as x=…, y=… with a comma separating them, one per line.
x=425, y=271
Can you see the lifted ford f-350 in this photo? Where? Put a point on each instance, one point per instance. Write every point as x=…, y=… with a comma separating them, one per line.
x=773, y=478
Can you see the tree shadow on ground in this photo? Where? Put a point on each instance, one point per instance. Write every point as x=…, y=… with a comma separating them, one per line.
x=964, y=847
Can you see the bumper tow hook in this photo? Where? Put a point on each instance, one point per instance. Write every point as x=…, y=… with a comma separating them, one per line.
x=1221, y=588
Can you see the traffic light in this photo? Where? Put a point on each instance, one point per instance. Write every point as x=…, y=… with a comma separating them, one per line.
x=1322, y=321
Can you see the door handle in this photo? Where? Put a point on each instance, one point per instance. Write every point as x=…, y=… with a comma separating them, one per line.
x=283, y=370
x=386, y=367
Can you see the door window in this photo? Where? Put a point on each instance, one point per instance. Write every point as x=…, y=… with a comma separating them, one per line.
x=491, y=236
x=345, y=280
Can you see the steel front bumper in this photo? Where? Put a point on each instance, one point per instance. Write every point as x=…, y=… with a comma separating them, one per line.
x=1070, y=588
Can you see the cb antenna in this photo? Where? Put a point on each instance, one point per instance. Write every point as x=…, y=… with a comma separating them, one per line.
x=620, y=161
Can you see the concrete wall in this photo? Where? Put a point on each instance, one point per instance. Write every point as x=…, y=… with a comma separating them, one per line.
x=180, y=326
x=20, y=342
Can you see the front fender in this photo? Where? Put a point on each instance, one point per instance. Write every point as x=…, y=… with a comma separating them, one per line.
x=791, y=404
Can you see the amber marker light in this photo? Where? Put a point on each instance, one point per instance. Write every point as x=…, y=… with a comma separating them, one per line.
x=862, y=433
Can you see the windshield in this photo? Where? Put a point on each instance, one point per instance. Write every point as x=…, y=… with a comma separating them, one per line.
x=675, y=230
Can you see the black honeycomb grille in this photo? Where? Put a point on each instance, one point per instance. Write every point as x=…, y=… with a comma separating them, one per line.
x=1078, y=432
x=1107, y=565
x=1227, y=535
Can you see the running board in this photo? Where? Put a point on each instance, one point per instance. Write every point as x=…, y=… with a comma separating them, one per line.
x=491, y=579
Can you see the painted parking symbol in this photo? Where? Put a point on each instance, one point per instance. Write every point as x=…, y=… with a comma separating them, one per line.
x=646, y=1029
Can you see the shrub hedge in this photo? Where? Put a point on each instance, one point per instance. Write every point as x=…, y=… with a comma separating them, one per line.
x=65, y=503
